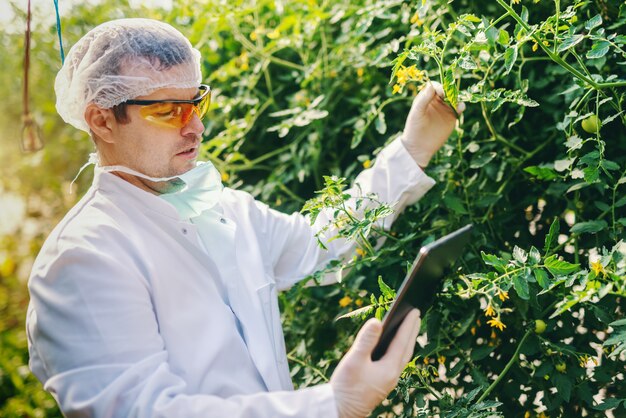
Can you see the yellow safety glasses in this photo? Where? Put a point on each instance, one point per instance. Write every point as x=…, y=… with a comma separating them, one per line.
x=174, y=113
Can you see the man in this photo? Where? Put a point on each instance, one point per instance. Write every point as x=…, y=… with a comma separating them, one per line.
x=156, y=296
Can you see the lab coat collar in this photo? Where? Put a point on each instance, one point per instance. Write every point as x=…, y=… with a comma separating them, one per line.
x=110, y=184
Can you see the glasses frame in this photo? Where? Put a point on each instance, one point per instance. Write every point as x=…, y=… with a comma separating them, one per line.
x=196, y=101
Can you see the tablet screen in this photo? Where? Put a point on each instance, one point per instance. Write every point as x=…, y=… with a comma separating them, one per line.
x=422, y=282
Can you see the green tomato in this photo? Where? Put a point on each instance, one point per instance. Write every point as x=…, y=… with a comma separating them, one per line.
x=561, y=367
x=591, y=124
x=540, y=326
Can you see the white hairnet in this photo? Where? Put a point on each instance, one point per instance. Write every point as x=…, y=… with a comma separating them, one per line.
x=121, y=60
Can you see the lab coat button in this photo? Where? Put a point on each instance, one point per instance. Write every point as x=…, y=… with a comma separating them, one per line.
x=222, y=220
x=184, y=231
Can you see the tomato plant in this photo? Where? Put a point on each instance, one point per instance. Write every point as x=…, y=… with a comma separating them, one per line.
x=304, y=90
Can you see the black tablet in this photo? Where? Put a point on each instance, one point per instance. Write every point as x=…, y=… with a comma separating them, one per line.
x=422, y=283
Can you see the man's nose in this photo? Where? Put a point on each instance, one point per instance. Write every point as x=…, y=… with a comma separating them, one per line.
x=194, y=126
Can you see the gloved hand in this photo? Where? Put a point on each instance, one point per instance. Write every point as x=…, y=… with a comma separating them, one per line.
x=429, y=124
x=358, y=382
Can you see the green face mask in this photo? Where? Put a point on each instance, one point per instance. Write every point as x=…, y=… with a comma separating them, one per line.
x=202, y=190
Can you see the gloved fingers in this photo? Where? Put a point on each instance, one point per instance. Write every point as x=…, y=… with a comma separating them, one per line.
x=367, y=338
x=424, y=97
x=460, y=107
x=438, y=89
x=404, y=340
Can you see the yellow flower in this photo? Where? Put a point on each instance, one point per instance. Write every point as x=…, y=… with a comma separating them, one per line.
x=414, y=74
x=503, y=295
x=359, y=302
x=225, y=176
x=415, y=19
x=359, y=72
x=360, y=252
x=473, y=330
x=496, y=323
x=345, y=301
x=489, y=311
x=253, y=35
x=516, y=1
x=242, y=60
x=441, y=359
x=275, y=34
x=527, y=414
x=598, y=268
x=397, y=89
x=535, y=47
x=402, y=76
x=367, y=163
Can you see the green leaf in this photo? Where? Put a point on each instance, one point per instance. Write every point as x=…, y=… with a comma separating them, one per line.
x=387, y=291
x=455, y=204
x=357, y=312
x=481, y=352
x=534, y=257
x=503, y=37
x=598, y=50
x=450, y=88
x=563, y=386
x=594, y=22
x=520, y=255
x=559, y=267
x=521, y=286
x=380, y=313
x=380, y=124
x=542, y=173
x=481, y=160
x=510, y=56
x=552, y=236
x=590, y=227
x=609, y=403
x=467, y=63
x=494, y=261
x=542, y=278
x=570, y=42
x=573, y=143
x=610, y=165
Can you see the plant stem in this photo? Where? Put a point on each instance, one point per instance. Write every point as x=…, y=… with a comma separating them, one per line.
x=508, y=366
x=557, y=59
x=307, y=365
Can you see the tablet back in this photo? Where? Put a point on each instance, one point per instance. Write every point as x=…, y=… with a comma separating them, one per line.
x=422, y=282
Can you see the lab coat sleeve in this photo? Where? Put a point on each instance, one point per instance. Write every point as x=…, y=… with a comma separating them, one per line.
x=295, y=253
x=95, y=344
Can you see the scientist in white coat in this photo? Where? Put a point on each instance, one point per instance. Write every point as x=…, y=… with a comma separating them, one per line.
x=156, y=295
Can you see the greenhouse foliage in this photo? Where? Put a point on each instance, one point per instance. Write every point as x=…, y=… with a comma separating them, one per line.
x=532, y=324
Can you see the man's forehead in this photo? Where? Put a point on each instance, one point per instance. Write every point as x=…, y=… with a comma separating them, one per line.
x=148, y=72
x=172, y=93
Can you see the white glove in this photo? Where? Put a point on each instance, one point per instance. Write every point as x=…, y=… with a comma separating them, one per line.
x=429, y=124
x=358, y=382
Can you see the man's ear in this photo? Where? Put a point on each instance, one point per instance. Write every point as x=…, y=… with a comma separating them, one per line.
x=101, y=121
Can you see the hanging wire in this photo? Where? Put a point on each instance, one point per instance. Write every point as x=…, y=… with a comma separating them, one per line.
x=31, y=138
x=56, y=9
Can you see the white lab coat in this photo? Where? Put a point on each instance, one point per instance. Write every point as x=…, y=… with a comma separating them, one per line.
x=130, y=316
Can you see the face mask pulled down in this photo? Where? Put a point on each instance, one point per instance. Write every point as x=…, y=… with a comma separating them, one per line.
x=200, y=188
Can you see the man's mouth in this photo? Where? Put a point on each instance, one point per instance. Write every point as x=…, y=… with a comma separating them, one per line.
x=188, y=151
